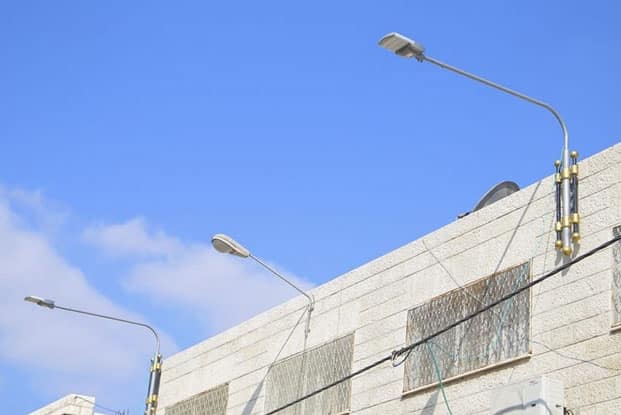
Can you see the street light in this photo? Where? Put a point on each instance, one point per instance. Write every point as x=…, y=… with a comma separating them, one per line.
x=156, y=363
x=566, y=176
x=227, y=245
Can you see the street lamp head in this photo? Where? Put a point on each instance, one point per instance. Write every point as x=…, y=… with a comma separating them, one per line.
x=227, y=245
x=40, y=301
x=403, y=46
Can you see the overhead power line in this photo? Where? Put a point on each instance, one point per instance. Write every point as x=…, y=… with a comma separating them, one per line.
x=406, y=349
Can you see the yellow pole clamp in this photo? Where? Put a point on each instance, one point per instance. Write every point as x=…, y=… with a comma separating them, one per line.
x=574, y=170
x=152, y=399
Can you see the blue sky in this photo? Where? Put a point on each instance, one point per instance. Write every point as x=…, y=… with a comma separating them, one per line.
x=133, y=131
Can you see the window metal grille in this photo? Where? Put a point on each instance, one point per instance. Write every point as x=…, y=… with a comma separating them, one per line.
x=499, y=334
x=209, y=402
x=616, y=278
x=296, y=376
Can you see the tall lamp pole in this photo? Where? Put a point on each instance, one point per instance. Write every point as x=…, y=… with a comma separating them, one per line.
x=227, y=245
x=566, y=177
x=156, y=362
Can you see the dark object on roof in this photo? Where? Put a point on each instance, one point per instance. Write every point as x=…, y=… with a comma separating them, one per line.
x=494, y=194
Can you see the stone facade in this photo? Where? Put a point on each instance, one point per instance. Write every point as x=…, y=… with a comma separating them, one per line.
x=572, y=334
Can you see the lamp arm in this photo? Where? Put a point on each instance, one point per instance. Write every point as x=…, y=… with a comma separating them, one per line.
x=508, y=91
x=565, y=185
x=273, y=271
x=135, y=323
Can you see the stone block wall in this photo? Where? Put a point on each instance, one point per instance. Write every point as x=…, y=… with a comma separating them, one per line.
x=572, y=334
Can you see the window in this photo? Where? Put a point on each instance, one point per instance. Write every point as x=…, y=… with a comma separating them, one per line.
x=497, y=335
x=209, y=402
x=296, y=376
x=616, y=278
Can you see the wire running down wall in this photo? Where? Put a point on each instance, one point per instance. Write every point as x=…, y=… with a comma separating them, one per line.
x=616, y=279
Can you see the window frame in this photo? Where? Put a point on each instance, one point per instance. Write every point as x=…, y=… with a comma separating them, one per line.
x=469, y=373
x=300, y=355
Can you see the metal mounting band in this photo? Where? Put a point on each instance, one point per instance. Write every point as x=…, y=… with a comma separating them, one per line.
x=574, y=170
x=152, y=399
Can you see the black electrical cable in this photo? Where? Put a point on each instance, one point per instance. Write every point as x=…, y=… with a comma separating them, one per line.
x=351, y=375
x=411, y=346
x=510, y=295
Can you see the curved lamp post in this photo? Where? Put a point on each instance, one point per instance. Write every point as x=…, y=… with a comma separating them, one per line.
x=409, y=48
x=156, y=363
x=227, y=245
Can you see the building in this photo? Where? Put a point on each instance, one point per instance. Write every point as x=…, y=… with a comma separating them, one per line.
x=71, y=404
x=567, y=328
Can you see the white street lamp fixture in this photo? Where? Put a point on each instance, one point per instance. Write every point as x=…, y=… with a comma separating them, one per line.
x=40, y=301
x=227, y=245
x=403, y=46
x=156, y=363
x=566, y=176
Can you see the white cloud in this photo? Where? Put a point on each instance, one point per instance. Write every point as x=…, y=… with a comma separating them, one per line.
x=221, y=289
x=64, y=352
x=130, y=238
x=35, y=208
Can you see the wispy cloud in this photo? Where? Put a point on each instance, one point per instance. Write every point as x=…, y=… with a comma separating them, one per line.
x=223, y=290
x=34, y=208
x=131, y=239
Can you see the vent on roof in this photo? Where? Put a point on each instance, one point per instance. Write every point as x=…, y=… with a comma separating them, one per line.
x=494, y=194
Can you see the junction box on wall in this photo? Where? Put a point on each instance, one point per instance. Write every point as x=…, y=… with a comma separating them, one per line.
x=538, y=396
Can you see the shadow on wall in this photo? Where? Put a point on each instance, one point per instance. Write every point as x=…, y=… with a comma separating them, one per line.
x=430, y=405
x=257, y=392
x=254, y=398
